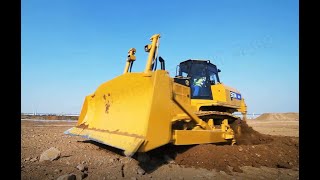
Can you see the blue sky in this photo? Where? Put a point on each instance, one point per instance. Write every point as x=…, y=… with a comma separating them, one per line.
x=69, y=48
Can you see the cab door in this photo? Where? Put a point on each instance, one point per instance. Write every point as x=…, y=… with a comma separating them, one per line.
x=200, y=81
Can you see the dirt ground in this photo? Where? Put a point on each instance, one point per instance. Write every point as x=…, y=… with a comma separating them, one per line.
x=49, y=117
x=274, y=154
x=277, y=124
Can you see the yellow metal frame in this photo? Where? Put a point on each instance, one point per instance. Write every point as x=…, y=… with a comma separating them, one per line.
x=185, y=137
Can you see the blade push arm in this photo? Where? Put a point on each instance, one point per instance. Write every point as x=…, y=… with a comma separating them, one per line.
x=152, y=49
x=131, y=58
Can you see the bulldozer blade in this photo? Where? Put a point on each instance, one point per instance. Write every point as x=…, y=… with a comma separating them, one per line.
x=130, y=112
x=129, y=143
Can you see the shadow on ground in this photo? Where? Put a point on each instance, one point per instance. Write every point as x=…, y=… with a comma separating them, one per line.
x=149, y=161
x=152, y=160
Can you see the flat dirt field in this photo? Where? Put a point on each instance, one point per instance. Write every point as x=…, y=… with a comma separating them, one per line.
x=268, y=150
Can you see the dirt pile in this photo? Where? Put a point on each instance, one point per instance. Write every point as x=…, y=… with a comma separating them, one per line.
x=279, y=116
x=252, y=149
x=281, y=153
x=247, y=136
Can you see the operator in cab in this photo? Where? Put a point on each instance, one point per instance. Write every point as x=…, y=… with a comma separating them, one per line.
x=198, y=82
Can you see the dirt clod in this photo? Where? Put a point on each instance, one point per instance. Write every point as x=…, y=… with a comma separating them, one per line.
x=33, y=159
x=50, y=154
x=82, y=167
x=140, y=171
x=67, y=177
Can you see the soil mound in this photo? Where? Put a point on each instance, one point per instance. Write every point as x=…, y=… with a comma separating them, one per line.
x=252, y=149
x=278, y=116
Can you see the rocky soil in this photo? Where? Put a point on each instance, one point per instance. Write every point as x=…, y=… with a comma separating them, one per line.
x=47, y=153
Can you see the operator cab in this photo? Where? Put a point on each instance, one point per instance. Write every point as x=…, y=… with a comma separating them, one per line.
x=200, y=74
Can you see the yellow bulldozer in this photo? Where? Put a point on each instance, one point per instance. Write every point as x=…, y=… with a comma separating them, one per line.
x=141, y=111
